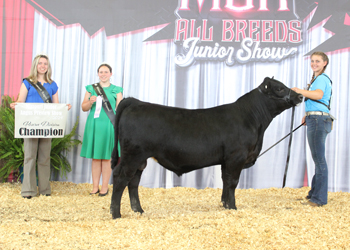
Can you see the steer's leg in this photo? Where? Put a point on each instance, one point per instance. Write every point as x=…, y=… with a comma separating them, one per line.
x=118, y=188
x=121, y=177
x=133, y=188
x=224, y=197
x=233, y=171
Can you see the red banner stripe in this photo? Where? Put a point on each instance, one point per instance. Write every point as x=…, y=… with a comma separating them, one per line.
x=17, y=26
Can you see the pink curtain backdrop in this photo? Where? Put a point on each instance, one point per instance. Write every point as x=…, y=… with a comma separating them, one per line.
x=16, y=44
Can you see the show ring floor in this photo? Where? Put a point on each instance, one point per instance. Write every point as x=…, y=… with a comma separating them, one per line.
x=176, y=218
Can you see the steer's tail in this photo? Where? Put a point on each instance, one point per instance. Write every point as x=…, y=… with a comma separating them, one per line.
x=126, y=102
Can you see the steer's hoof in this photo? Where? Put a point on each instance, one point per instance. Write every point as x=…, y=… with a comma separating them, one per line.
x=141, y=212
x=116, y=215
x=232, y=207
x=224, y=204
x=138, y=210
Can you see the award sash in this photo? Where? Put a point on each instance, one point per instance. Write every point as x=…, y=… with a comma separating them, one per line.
x=105, y=102
x=41, y=90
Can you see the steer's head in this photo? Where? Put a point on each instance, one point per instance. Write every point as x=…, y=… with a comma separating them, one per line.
x=277, y=91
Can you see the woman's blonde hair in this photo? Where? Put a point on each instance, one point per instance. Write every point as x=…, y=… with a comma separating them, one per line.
x=33, y=75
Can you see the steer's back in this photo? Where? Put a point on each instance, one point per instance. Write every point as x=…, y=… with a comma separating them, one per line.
x=183, y=138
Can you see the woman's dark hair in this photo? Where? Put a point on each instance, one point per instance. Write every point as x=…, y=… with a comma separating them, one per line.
x=106, y=65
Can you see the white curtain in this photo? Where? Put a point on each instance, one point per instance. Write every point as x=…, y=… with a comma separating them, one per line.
x=146, y=70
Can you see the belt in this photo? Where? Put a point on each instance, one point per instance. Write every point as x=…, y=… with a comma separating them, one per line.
x=316, y=113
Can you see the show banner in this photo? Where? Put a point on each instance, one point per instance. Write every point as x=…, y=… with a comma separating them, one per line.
x=230, y=31
x=251, y=32
x=39, y=120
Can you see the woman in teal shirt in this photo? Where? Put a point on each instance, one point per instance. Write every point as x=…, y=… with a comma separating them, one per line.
x=319, y=124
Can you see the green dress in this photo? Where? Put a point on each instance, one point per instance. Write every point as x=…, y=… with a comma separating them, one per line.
x=98, y=141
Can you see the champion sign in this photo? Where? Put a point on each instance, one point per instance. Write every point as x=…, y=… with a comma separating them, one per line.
x=36, y=120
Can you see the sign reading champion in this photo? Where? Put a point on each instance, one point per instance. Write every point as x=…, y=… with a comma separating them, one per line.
x=213, y=36
x=40, y=120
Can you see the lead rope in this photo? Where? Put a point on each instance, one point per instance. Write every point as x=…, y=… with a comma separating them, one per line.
x=289, y=146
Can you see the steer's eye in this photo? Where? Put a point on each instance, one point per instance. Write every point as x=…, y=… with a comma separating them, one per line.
x=279, y=90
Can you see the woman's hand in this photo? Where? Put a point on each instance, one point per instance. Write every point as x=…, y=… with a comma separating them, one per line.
x=296, y=90
x=88, y=101
x=69, y=106
x=92, y=99
x=13, y=105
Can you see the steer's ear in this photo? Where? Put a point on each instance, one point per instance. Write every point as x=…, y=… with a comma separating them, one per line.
x=272, y=77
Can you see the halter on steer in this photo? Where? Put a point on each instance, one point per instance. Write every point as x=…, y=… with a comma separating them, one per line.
x=285, y=98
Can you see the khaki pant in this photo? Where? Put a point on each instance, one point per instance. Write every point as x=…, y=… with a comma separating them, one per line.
x=36, y=148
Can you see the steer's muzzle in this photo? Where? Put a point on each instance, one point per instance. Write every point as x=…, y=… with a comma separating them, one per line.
x=295, y=98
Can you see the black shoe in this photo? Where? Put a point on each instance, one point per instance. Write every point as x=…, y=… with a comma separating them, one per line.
x=27, y=197
x=306, y=198
x=103, y=194
x=98, y=191
x=47, y=194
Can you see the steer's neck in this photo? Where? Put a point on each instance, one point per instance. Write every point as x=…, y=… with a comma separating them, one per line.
x=262, y=109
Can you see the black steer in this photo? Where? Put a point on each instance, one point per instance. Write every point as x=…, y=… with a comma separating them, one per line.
x=184, y=140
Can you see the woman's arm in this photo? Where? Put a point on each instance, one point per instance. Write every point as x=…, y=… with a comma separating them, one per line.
x=88, y=101
x=23, y=92
x=316, y=94
x=55, y=98
x=119, y=98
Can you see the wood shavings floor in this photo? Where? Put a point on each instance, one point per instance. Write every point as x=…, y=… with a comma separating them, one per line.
x=176, y=218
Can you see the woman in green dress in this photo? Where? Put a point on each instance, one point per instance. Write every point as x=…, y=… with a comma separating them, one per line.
x=98, y=141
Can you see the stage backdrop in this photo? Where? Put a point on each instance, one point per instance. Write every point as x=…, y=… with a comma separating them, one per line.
x=189, y=54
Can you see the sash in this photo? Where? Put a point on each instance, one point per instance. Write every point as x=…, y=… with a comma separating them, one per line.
x=105, y=102
x=41, y=91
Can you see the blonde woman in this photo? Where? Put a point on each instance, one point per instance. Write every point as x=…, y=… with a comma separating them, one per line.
x=37, y=150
